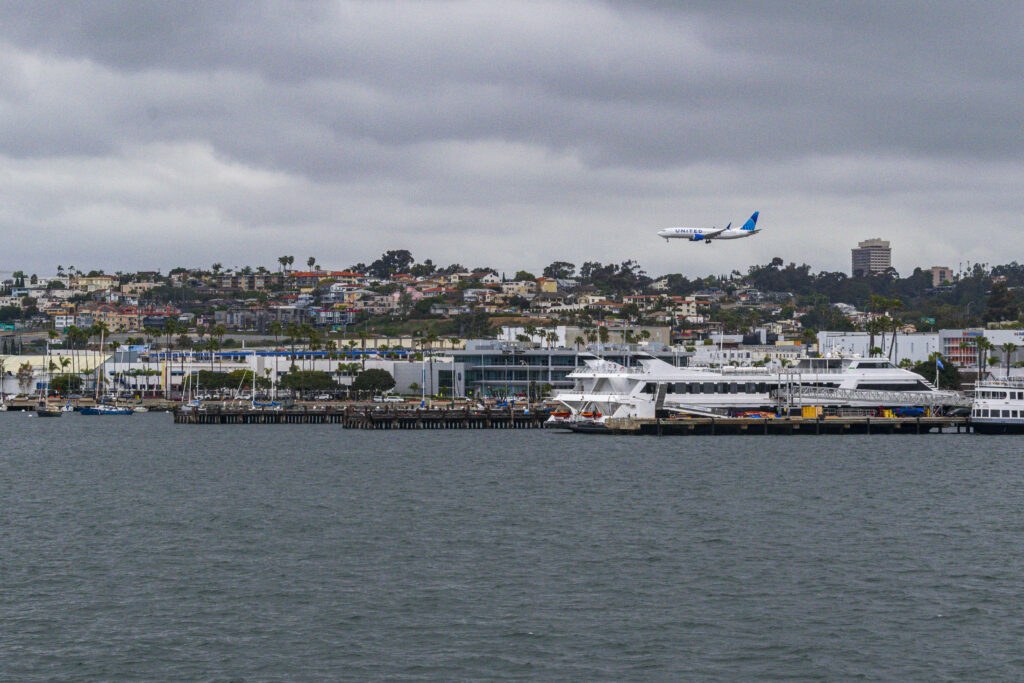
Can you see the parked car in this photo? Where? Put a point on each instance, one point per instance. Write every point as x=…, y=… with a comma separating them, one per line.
x=323, y=397
x=909, y=411
x=394, y=399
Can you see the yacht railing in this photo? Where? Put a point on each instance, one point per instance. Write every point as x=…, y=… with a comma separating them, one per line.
x=1005, y=383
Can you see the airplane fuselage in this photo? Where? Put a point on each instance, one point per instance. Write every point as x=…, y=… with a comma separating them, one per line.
x=691, y=234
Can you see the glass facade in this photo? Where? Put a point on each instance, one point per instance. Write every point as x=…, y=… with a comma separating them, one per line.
x=503, y=372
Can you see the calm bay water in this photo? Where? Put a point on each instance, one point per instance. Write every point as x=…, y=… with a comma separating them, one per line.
x=134, y=548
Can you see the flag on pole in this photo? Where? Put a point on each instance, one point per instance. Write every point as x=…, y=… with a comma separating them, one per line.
x=938, y=364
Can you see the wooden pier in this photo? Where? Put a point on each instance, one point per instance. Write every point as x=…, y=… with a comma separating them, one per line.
x=365, y=418
x=712, y=426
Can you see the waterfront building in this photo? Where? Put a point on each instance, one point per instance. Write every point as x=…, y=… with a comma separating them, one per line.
x=871, y=256
x=566, y=335
x=956, y=345
x=941, y=275
x=494, y=368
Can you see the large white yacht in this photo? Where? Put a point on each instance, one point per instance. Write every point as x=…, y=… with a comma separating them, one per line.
x=998, y=407
x=603, y=389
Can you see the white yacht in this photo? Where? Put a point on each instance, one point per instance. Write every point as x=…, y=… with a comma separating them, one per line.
x=654, y=388
x=998, y=407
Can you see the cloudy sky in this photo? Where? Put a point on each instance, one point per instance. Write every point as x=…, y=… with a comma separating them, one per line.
x=512, y=134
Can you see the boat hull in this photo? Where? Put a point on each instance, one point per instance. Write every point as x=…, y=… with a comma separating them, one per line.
x=984, y=427
x=107, y=411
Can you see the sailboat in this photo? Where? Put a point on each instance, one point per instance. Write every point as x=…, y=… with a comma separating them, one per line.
x=44, y=409
x=103, y=408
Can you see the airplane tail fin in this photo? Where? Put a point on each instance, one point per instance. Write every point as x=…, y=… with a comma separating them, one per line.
x=749, y=225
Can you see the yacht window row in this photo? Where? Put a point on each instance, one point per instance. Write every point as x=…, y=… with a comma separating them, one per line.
x=724, y=387
x=1002, y=395
x=992, y=412
x=893, y=386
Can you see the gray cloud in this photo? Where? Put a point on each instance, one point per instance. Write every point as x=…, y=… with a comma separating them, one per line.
x=508, y=133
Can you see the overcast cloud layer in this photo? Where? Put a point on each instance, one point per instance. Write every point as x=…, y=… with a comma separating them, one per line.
x=511, y=134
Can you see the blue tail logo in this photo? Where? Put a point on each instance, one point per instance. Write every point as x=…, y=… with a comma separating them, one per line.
x=751, y=222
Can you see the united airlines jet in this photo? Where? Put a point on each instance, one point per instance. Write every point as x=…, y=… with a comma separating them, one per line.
x=706, y=235
x=692, y=234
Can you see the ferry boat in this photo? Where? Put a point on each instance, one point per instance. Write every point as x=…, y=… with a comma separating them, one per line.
x=998, y=407
x=603, y=389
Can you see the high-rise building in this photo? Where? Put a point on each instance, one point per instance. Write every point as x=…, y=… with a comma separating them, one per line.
x=941, y=275
x=871, y=256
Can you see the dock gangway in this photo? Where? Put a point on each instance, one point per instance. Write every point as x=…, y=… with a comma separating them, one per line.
x=804, y=395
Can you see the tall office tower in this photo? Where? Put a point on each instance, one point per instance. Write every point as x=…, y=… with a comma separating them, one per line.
x=871, y=256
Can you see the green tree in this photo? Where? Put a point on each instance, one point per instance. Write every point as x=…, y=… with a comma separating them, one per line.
x=373, y=382
x=24, y=375
x=559, y=270
x=66, y=383
x=308, y=380
x=949, y=376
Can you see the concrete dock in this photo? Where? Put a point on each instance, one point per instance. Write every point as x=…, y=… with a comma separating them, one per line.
x=353, y=417
x=788, y=425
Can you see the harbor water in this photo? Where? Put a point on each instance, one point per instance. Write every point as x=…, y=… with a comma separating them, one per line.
x=136, y=549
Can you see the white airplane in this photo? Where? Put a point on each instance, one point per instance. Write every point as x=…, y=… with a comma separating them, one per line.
x=703, y=235
x=692, y=234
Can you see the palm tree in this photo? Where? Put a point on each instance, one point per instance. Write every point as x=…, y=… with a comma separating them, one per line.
x=1008, y=348
x=983, y=345
x=430, y=339
x=314, y=342
x=310, y=262
x=275, y=329
x=219, y=331
x=579, y=342
x=362, y=347
x=170, y=328
x=893, y=305
x=872, y=327
x=294, y=334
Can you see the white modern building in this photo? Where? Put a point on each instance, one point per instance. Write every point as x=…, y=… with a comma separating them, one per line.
x=957, y=345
